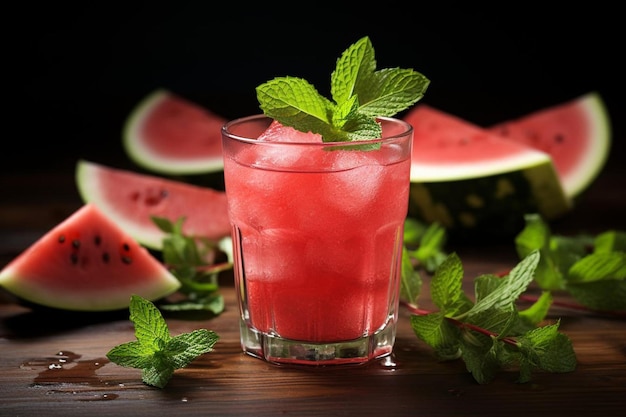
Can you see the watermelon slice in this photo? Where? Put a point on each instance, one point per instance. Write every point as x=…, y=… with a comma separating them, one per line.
x=576, y=134
x=167, y=134
x=475, y=183
x=86, y=263
x=131, y=199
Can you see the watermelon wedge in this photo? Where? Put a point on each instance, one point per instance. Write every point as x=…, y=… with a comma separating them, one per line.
x=86, y=263
x=130, y=199
x=576, y=134
x=473, y=182
x=168, y=134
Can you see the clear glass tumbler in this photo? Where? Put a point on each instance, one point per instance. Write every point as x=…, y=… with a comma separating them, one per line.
x=317, y=234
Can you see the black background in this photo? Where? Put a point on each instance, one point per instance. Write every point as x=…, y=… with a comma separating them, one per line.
x=75, y=72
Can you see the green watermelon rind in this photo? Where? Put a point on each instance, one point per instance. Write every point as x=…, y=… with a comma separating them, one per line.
x=601, y=134
x=152, y=283
x=146, y=158
x=490, y=206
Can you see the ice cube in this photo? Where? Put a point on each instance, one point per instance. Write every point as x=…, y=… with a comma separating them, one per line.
x=276, y=132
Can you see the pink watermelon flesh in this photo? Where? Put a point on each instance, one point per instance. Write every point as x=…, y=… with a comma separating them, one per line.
x=131, y=199
x=169, y=134
x=447, y=148
x=86, y=263
x=574, y=133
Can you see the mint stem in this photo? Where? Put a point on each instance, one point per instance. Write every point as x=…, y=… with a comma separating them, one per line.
x=574, y=306
x=461, y=325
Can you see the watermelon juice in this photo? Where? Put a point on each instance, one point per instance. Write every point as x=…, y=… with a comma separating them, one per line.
x=317, y=231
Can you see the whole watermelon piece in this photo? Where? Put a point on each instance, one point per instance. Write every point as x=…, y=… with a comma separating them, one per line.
x=479, y=183
x=87, y=263
x=475, y=184
x=576, y=134
x=168, y=134
x=131, y=200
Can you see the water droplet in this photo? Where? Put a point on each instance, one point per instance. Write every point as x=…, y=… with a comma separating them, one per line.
x=456, y=392
x=389, y=362
x=184, y=399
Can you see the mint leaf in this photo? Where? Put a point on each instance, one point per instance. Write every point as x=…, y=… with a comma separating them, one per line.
x=411, y=281
x=610, y=241
x=131, y=355
x=429, y=242
x=440, y=334
x=353, y=72
x=445, y=288
x=481, y=357
x=296, y=103
x=536, y=236
x=360, y=95
x=185, y=348
x=155, y=352
x=545, y=348
x=509, y=287
x=537, y=312
x=598, y=266
x=150, y=328
x=391, y=91
x=605, y=295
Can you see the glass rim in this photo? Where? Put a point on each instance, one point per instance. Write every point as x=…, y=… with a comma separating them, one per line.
x=408, y=129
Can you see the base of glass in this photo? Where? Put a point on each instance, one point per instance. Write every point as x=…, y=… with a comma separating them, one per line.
x=281, y=351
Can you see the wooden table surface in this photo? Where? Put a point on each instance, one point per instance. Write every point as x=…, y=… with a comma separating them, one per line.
x=55, y=364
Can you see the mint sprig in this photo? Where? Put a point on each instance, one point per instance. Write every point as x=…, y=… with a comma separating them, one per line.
x=360, y=94
x=155, y=352
x=192, y=261
x=490, y=334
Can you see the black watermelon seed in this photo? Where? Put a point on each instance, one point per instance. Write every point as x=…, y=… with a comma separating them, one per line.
x=127, y=260
x=74, y=258
x=62, y=239
x=106, y=257
x=126, y=247
x=97, y=240
x=76, y=243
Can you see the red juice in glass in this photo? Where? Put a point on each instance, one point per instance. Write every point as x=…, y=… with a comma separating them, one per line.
x=317, y=233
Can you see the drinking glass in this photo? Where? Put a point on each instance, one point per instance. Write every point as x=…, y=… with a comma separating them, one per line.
x=317, y=233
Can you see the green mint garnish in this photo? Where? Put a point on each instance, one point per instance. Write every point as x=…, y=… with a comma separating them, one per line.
x=155, y=352
x=360, y=94
x=591, y=268
x=192, y=261
x=490, y=334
